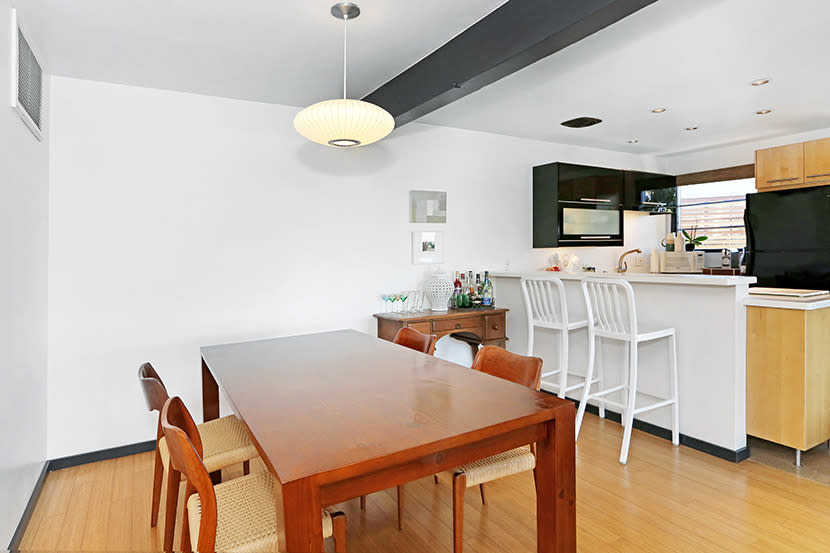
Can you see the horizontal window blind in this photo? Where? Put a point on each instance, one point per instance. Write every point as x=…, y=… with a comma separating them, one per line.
x=721, y=219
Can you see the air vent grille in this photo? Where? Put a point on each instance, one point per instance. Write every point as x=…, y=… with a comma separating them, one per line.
x=26, y=80
x=581, y=122
x=29, y=80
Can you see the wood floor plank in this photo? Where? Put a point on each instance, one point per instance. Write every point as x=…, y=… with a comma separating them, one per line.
x=665, y=500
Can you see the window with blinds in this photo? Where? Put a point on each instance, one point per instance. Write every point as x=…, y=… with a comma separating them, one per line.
x=715, y=210
x=27, y=78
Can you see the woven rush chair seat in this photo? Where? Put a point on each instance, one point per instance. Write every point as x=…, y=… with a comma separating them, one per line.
x=507, y=463
x=226, y=442
x=519, y=369
x=247, y=515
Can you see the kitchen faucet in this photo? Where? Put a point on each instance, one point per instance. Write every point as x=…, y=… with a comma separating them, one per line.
x=622, y=266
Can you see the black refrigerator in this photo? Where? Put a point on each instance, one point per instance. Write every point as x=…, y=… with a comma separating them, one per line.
x=788, y=238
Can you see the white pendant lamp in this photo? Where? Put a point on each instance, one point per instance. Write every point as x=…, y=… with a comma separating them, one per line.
x=344, y=123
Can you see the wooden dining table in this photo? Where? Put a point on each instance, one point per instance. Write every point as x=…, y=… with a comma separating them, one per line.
x=337, y=415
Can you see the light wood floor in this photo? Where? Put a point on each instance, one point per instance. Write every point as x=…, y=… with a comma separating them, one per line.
x=672, y=500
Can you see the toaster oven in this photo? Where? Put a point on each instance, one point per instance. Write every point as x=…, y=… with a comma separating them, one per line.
x=681, y=262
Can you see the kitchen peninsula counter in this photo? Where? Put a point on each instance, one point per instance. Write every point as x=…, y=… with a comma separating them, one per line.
x=709, y=316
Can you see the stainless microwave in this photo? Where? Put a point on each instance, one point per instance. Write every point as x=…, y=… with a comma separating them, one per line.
x=590, y=222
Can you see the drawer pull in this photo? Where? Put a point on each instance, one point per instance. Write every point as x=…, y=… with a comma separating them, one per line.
x=599, y=200
x=495, y=327
x=819, y=175
x=457, y=325
x=783, y=180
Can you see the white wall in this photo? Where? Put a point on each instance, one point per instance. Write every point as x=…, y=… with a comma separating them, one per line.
x=180, y=220
x=728, y=155
x=24, y=191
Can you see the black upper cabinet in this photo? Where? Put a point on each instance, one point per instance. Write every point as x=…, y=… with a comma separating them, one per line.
x=557, y=186
x=648, y=191
x=581, y=186
x=579, y=183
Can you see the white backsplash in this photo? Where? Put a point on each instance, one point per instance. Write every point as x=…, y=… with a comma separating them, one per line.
x=642, y=231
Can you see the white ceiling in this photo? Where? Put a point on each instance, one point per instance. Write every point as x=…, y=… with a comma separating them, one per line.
x=694, y=57
x=277, y=51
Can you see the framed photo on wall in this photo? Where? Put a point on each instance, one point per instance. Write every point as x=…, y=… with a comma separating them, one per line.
x=426, y=206
x=427, y=247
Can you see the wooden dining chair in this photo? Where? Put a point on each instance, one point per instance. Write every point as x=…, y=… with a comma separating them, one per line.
x=425, y=343
x=239, y=515
x=412, y=339
x=520, y=369
x=226, y=442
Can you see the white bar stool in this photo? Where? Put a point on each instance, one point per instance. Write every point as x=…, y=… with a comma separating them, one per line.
x=612, y=314
x=546, y=307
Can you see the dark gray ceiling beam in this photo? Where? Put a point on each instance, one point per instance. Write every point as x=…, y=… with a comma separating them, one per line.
x=517, y=34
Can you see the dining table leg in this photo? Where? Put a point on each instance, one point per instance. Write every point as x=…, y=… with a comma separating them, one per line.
x=303, y=517
x=556, y=485
x=210, y=395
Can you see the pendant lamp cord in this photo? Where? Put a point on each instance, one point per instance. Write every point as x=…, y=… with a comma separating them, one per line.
x=345, y=31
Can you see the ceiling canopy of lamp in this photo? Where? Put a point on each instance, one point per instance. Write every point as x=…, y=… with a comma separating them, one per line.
x=344, y=123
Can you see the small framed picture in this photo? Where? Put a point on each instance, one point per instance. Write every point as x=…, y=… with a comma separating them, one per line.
x=427, y=247
x=426, y=206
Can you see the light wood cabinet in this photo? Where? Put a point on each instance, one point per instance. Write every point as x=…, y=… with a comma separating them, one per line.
x=788, y=376
x=779, y=168
x=817, y=162
x=793, y=166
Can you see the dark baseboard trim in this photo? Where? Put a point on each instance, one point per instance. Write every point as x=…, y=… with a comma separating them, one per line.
x=735, y=456
x=66, y=462
x=101, y=455
x=17, y=537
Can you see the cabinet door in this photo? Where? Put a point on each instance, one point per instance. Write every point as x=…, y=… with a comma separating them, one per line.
x=817, y=162
x=579, y=183
x=649, y=191
x=779, y=168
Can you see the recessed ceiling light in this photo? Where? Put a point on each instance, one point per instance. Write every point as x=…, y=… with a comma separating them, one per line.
x=759, y=82
x=763, y=111
x=633, y=141
x=691, y=128
x=658, y=110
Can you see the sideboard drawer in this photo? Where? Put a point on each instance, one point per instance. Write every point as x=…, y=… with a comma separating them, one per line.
x=494, y=327
x=422, y=327
x=461, y=323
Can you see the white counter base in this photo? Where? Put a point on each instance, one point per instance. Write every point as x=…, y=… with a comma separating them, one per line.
x=709, y=316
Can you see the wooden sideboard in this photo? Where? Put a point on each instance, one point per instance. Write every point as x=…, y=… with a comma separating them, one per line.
x=487, y=324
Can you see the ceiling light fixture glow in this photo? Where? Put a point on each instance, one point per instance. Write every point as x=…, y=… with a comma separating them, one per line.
x=658, y=110
x=344, y=123
x=760, y=82
x=763, y=111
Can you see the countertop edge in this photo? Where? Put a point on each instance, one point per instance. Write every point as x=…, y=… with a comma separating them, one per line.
x=644, y=278
x=780, y=303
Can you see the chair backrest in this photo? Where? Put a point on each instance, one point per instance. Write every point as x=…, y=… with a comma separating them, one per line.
x=412, y=339
x=545, y=303
x=521, y=369
x=155, y=393
x=611, y=309
x=185, y=447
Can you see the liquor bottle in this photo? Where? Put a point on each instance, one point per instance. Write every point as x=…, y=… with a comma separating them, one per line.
x=487, y=293
x=479, y=285
x=456, y=295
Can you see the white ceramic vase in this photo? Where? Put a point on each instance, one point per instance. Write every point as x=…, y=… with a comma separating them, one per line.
x=439, y=289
